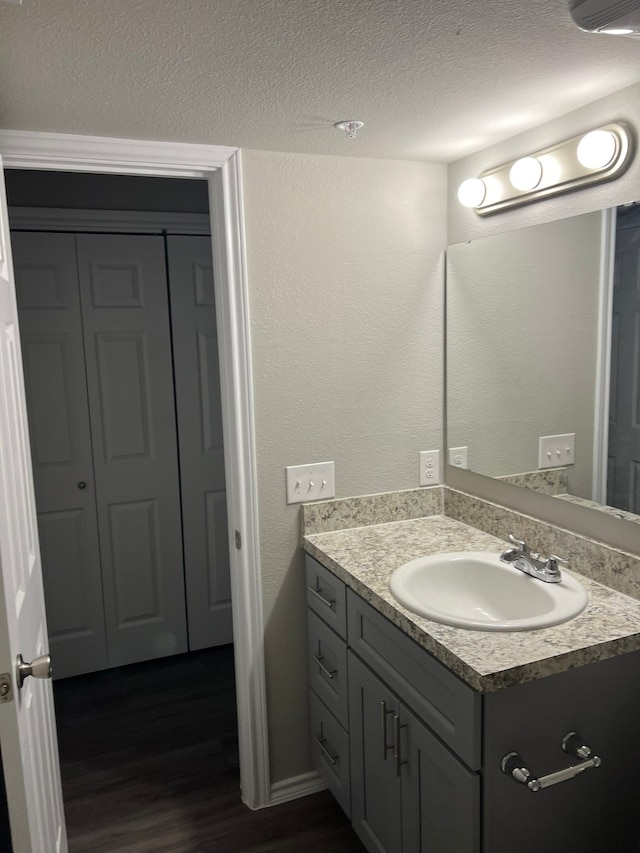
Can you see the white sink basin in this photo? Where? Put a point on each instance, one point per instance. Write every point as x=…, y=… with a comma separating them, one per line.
x=474, y=589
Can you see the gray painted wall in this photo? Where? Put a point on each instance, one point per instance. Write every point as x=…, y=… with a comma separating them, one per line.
x=34, y=188
x=345, y=275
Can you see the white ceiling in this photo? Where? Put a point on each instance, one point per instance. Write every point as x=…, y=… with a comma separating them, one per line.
x=431, y=79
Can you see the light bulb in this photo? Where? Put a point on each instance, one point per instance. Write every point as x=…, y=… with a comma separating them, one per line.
x=525, y=174
x=596, y=149
x=471, y=192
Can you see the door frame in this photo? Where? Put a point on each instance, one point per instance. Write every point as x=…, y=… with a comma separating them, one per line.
x=603, y=356
x=221, y=167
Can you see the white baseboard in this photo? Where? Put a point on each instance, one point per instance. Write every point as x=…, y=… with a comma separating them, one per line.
x=296, y=786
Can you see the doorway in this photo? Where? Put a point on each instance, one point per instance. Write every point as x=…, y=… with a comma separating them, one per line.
x=221, y=168
x=153, y=287
x=118, y=328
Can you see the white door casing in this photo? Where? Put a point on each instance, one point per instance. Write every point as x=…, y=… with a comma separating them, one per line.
x=221, y=167
x=27, y=725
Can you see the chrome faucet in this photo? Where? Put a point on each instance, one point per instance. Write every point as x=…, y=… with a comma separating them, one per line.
x=533, y=564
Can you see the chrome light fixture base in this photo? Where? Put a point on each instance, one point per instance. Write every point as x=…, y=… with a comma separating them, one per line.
x=561, y=170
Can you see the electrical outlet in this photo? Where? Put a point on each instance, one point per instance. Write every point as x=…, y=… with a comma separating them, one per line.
x=458, y=457
x=556, y=451
x=429, y=467
x=310, y=482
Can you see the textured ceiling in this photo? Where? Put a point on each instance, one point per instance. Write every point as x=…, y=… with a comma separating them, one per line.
x=431, y=79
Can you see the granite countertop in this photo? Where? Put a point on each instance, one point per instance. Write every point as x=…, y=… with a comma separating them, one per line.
x=365, y=557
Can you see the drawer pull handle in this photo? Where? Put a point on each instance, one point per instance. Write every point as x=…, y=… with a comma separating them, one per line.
x=513, y=765
x=332, y=759
x=323, y=669
x=317, y=590
x=396, y=743
x=383, y=728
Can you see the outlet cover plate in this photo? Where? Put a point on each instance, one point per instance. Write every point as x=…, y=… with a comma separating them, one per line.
x=556, y=451
x=313, y=482
x=429, y=467
x=459, y=457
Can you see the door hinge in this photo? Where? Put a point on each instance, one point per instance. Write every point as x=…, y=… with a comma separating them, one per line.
x=6, y=689
x=238, y=540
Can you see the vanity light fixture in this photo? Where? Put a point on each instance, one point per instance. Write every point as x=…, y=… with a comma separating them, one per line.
x=599, y=155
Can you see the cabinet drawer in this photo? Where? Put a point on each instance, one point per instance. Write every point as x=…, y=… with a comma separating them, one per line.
x=330, y=750
x=448, y=706
x=326, y=596
x=328, y=667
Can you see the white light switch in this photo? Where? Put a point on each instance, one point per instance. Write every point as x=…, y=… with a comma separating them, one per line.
x=310, y=482
x=556, y=451
x=459, y=457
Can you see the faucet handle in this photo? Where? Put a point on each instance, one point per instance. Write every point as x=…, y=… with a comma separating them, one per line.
x=522, y=546
x=551, y=564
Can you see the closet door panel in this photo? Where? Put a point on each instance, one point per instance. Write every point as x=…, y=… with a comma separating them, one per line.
x=197, y=381
x=53, y=356
x=124, y=301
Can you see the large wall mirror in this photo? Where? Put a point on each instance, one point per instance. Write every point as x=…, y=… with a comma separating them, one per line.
x=543, y=339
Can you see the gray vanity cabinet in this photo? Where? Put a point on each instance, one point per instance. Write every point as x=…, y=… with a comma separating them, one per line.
x=327, y=657
x=415, y=755
x=380, y=707
x=409, y=793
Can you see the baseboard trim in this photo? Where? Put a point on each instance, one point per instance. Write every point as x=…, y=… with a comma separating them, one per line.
x=295, y=787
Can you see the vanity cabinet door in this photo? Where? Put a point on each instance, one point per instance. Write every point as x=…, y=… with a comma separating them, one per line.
x=376, y=811
x=440, y=796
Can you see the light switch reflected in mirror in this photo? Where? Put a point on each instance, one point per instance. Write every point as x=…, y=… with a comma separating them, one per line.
x=536, y=335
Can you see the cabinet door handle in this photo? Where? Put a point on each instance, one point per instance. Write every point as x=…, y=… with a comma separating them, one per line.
x=328, y=672
x=396, y=743
x=316, y=591
x=332, y=759
x=383, y=728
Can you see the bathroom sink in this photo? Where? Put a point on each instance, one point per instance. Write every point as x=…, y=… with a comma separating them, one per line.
x=474, y=589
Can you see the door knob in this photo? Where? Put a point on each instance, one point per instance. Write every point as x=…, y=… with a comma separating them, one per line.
x=40, y=667
x=82, y=484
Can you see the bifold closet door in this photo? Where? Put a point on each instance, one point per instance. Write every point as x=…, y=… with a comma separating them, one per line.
x=124, y=301
x=206, y=548
x=53, y=356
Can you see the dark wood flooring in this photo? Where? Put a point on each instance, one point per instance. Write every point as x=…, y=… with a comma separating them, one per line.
x=150, y=765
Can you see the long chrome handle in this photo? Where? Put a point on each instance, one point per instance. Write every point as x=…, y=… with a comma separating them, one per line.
x=39, y=667
x=325, y=601
x=328, y=672
x=383, y=723
x=396, y=743
x=513, y=765
x=332, y=759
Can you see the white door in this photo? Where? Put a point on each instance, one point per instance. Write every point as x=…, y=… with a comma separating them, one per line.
x=27, y=726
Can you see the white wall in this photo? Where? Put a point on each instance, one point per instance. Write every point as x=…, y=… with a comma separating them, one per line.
x=346, y=302
x=522, y=322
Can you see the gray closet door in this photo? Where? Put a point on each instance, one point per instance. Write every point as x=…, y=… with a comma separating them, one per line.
x=123, y=293
x=53, y=356
x=206, y=549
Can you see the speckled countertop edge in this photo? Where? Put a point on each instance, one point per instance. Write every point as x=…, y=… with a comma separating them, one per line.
x=365, y=557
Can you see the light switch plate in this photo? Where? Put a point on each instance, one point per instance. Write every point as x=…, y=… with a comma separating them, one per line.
x=459, y=457
x=556, y=451
x=310, y=482
x=429, y=467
